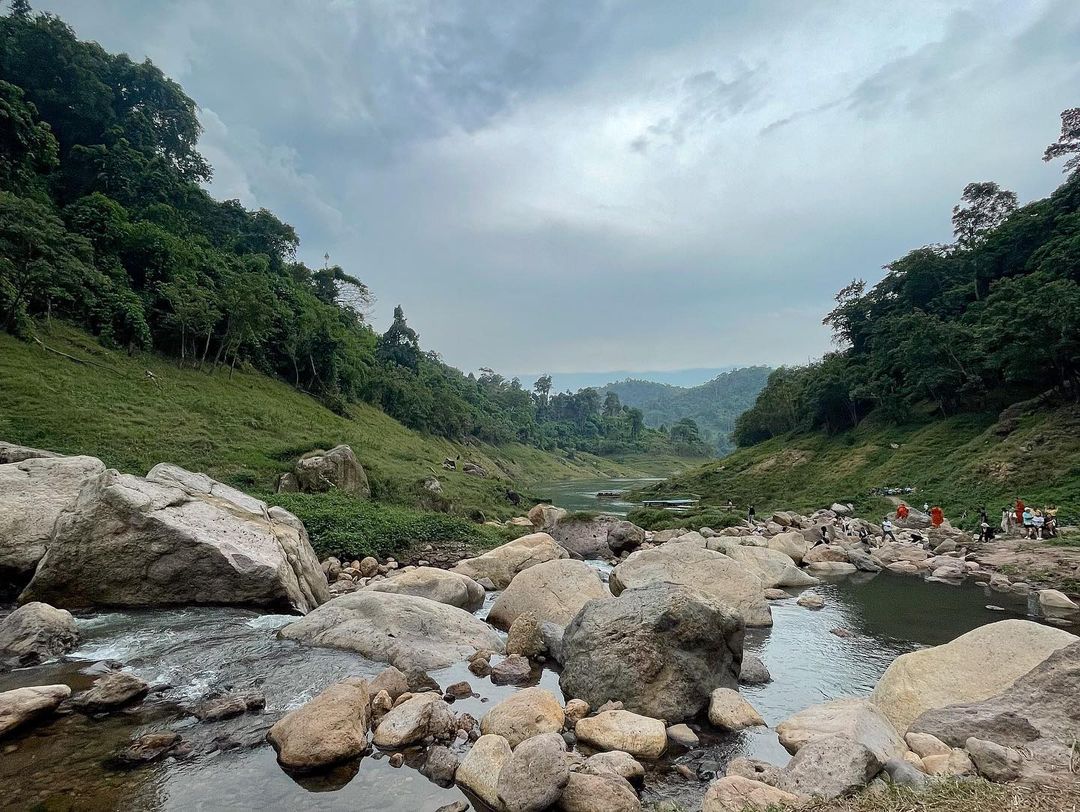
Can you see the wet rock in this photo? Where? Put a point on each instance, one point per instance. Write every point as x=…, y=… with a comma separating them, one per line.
x=480, y=666
x=832, y=568
x=479, y=770
x=336, y=469
x=711, y=575
x=811, y=600
x=616, y=762
x=440, y=766
x=856, y=719
x=414, y=720
x=111, y=692
x=391, y=680
x=419, y=681
x=830, y=767
x=682, y=736
x=22, y=706
x=500, y=565
x=973, y=667
x=176, y=537
x=586, y=792
x=661, y=651
x=148, y=747
x=526, y=637
x=553, y=591
x=754, y=770
x=736, y=794
x=328, y=730
x=514, y=670
x=535, y=776
x=729, y=711
x=522, y=715
x=994, y=762
x=396, y=760
x=776, y=595
x=437, y=585
x=640, y=736
x=381, y=704
x=228, y=706
x=403, y=630
x=459, y=690
x=36, y=632
x=864, y=562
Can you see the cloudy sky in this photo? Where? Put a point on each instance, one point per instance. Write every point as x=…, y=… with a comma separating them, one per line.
x=572, y=186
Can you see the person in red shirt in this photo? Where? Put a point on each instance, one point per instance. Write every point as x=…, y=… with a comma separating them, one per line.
x=902, y=512
x=1020, y=512
x=937, y=516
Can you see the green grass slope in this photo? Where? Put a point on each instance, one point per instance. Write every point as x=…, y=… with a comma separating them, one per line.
x=960, y=462
x=244, y=429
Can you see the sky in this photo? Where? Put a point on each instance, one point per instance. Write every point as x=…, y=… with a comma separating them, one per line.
x=576, y=186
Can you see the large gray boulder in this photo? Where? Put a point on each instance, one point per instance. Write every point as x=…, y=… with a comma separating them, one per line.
x=711, y=575
x=34, y=490
x=775, y=568
x=830, y=767
x=176, y=537
x=479, y=770
x=585, y=538
x=535, y=775
x=1039, y=713
x=504, y=562
x=598, y=793
x=35, y=632
x=524, y=714
x=336, y=469
x=23, y=705
x=434, y=584
x=554, y=591
x=11, y=452
x=625, y=536
x=404, y=630
x=329, y=729
x=854, y=718
x=661, y=651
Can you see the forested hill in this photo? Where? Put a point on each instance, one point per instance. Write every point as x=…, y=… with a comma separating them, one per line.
x=105, y=222
x=713, y=406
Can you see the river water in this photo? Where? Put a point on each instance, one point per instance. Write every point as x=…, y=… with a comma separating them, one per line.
x=188, y=653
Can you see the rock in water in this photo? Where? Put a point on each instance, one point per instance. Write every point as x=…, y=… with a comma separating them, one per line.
x=434, y=584
x=24, y=705
x=640, y=736
x=737, y=794
x=753, y=671
x=479, y=770
x=662, y=651
x=329, y=729
x=708, y=573
x=403, y=630
x=336, y=469
x=598, y=793
x=729, y=711
x=973, y=667
x=414, y=720
x=110, y=692
x=625, y=536
x=33, y=493
x=554, y=591
x=503, y=563
x=616, y=762
x=830, y=767
x=856, y=719
x=35, y=632
x=535, y=776
x=176, y=538
x=774, y=568
x=228, y=706
x=522, y=715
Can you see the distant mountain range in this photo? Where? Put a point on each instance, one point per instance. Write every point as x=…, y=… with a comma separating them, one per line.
x=713, y=405
x=575, y=381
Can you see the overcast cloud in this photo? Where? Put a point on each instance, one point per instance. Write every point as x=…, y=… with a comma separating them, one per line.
x=580, y=186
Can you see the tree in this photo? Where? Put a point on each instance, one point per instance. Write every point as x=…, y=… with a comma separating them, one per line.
x=400, y=344
x=983, y=207
x=20, y=9
x=1068, y=142
x=542, y=387
x=27, y=146
x=611, y=407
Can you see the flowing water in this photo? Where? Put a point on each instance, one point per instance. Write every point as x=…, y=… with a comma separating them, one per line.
x=189, y=653
x=581, y=494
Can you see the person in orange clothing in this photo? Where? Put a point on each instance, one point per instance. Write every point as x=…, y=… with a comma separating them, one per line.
x=937, y=516
x=902, y=512
x=1020, y=512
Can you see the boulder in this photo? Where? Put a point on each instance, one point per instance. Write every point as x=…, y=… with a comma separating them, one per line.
x=473, y=469
x=176, y=538
x=524, y=714
x=413, y=720
x=329, y=729
x=863, y=562
x=811, y=600
x=403, y=630
x=754, y=770
x=10, y=452
x=586, y=792
x=682, y=736
x=728, y=710
x=625, y=536
x=753, y=671
x=546, y=517
x=973, y=667
x=994, y=762
x=391, y=680
x=36, y=632
x=336, y=469
x=825, y=552
x=34, y=491
x=855, y=719
x=734, y=793
x=830, y=767
x=615, y=762
x=923, y=744
x=228, y=706
x=23, y=705
x=111, y=692
x=1054, y=600
x=712, y=575
x=554, y=591
x=434, y=584
x=832, y=568
x=526, y=637
x=149, y=747
x=503, y=563
x=774, y=568
x=906, y=773
x=440, y=766
x=584, y=538
x=479, y=771
x=512, y=670
x=575, y=711
x=792, y=544
x=893, y=552
x=640, y=736
x=536, y=774
x=661, y=651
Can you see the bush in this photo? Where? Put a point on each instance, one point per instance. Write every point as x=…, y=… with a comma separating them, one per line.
x=657, y=519
x=349, y=528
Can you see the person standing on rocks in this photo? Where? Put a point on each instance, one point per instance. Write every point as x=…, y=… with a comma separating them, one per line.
x=751, y=514
x=887, y=530
x=902, y=512
x=937, y=516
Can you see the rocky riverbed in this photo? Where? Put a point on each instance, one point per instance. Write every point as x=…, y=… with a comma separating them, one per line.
x=708, y=669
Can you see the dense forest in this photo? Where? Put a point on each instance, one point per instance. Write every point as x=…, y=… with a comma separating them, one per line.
x=713, y=406
x=988, y=320
x=105, y=222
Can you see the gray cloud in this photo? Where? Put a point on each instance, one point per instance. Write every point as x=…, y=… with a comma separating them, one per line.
x=573, y=186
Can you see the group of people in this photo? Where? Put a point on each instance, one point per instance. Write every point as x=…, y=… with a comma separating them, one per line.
x=1032, y=523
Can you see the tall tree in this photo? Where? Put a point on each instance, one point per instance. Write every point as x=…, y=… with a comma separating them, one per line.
x=1068, y=142
x=983, y=207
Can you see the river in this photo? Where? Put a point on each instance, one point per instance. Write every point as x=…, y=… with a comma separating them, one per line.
x=190, y=652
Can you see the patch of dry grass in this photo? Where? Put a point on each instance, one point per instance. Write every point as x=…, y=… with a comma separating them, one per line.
x=960, y=796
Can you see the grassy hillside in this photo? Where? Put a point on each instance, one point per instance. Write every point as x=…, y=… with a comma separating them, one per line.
x=960, y=463
x=245, y=428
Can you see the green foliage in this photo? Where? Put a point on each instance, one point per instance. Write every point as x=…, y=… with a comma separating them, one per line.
x=349, y=528
x=658, y=519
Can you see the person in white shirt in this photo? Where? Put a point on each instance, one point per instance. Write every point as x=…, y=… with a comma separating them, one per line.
x=887, y=530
